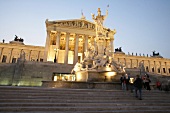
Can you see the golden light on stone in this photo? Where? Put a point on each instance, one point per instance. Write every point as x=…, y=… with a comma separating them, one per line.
x=79, y=77
x=111, y=73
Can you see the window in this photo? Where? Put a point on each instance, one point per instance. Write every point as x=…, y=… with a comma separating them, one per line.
x=153, y=69
x=169, y=70
x=63, y=77
x=164, y=71
x=14, y=60
x=41, y=60
x=32, y=59
x=147, y=69
x=159, y=71
x=4, y=58
x=79, y=59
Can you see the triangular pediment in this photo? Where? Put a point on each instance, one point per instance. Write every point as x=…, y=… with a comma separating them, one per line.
x=75, y=20
x=75, y=24
x=78, y=23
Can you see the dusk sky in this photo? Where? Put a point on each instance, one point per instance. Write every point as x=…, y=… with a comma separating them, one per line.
x=142, y=25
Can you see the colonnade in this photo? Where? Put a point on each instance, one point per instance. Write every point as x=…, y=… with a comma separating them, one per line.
x=8, y=54
x=152, y=65
x=58, y=35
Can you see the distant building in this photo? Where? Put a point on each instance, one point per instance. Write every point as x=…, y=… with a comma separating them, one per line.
x=10, y=52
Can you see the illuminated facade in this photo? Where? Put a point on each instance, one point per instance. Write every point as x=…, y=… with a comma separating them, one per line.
x=10, y=52
x=67, y=42
x=69, y=39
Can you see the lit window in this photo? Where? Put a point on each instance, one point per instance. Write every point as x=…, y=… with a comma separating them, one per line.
x=159, y=70
x=41, y=60
x=14, y=60
x=164, y=71
x=147, y=69
x=153, y=70
x=4, y=58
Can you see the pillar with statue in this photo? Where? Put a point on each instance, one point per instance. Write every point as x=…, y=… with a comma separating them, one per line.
x=99, y=63
x=100, y=32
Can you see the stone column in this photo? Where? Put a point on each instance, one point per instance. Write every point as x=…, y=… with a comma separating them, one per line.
x=131, y=63
x=166, y=68
x=29, y=56
x=160, y=67
x=125, y=61
x=38, y=56
x=155, y=67
x=58, y=40
x=47, y=45
x=66, y=48
x=10, y=56
x=76, y=49
x=149, y=66
x=1, y=53
x=137, y=65
x=100, y=47
x=111, y=44
x=85, y=44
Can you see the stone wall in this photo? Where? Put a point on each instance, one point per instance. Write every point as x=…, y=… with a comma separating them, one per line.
x=6, y=73
x=82, y=85
x=27, y=73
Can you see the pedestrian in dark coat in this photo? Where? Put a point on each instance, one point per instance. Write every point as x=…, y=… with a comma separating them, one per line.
x=138, y=87
x=123, y=82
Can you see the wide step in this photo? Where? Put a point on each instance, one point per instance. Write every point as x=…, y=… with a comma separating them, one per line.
x=48, y=100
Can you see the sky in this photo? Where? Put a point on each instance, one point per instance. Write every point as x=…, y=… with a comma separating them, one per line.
x=142, y=26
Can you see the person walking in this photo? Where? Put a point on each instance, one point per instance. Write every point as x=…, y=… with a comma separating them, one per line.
x=127, y=78
x=158, y=85
x=123, y=82
x=144, y=78
x=147, y=82
x=138, y=87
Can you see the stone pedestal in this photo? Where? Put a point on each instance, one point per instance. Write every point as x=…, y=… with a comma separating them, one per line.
x=101, y=47
x=82, y=76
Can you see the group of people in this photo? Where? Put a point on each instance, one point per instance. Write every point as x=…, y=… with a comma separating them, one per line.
x=125, y=81
x=146, y=81
x=138, y=84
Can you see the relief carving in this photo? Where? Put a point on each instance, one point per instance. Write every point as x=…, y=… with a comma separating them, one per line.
x=80, y=24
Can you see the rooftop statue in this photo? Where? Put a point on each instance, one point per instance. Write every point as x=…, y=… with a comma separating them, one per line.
x=155, y=54
x=18, y=39
x=118, y=49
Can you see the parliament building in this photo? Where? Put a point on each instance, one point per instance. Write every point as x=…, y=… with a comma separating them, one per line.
x=66, y=43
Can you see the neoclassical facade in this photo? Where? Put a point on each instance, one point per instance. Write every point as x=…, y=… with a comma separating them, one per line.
x=10, y=52
x=68, y=40
x=153, y=64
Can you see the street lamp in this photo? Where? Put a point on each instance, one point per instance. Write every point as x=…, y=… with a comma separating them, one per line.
x=55, y=58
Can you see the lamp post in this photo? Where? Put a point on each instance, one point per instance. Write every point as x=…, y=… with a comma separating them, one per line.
x=55, y=59
x=56, y=56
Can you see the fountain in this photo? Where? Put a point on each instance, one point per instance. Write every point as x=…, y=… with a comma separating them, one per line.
x=98, y=64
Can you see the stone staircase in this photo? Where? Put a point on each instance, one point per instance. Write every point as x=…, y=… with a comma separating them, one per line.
x=50, y=100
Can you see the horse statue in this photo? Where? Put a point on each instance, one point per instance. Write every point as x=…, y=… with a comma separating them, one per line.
x=118, y=49
x=155, y=54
